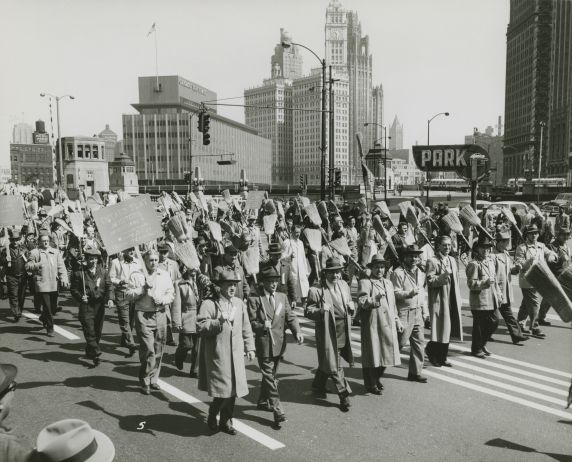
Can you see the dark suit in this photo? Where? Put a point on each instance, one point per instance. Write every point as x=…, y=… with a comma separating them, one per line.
x=269, y=354
x=98, y=289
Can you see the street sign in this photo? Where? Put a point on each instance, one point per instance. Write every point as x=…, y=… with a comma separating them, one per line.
x=450, y=158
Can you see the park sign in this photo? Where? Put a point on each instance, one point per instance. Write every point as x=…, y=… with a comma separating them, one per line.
x=128, y=224
x=451, y=158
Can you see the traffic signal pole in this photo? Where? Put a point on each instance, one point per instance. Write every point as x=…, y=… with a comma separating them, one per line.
x=331, y=181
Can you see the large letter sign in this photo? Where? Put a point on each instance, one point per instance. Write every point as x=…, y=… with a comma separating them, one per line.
x=451, y=158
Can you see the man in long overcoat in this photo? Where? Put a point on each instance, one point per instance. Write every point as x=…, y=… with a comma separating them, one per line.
x=444, y=302
x=331, y=307
x=379, y=325
x=224, y=326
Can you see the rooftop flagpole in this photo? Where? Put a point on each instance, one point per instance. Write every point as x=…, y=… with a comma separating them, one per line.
x=153, y=31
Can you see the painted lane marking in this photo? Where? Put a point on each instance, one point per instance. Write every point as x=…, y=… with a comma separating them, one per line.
x=57, y=329
x=243, y=428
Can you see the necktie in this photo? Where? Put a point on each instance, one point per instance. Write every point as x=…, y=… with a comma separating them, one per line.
x=272, y=303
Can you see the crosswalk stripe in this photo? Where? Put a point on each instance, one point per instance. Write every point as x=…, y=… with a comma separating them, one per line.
x=519, y=380
x=506, y=386
x=491, y=363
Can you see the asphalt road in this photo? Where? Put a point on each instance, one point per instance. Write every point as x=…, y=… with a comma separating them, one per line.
x=509, y=407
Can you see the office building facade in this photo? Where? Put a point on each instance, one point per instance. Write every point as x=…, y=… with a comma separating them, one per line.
x=32, y=163
x=158, y=137
x=84, y=165
x=396, y=134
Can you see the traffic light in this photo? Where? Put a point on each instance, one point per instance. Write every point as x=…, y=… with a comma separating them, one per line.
x=201, y=121
x=206, y=126
x=337, y=177
x=302, y=181
x=187, y=177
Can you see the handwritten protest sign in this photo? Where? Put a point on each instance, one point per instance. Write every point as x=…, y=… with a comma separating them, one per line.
x=128, y=224
x=11, y=211
x=254, y=200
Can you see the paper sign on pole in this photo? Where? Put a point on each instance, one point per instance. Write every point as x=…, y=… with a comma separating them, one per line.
x=12, y=211
x=128, y=224
x=254, y=200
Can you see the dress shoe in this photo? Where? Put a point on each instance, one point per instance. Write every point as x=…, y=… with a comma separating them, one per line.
x=212, y=423
x=446, y=364
x=523, y=329
x=193, y=374
x=264, y=406
x=544, y=323
x=51, y=333
x=537, y=333
x=96, y=361
x=520, y=338
x=155, y=386
x=345, y=403
x=279, y=417
x=380, y=385
x=132, y=350
x=319, y=393
x=486, y=351
x=417, y=378
x=179, y=362
x=17, y=318
x=146, y=390
x=227, y=428
x=434, y=362
x=479, y=354
x=374, y=391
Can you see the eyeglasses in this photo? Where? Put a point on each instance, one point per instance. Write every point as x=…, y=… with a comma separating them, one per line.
x=11, y=387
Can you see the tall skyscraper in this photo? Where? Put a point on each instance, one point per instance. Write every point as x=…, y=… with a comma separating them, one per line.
x=377, y=116
x=348, y=52
x=274, y=121
x=306, y=95
x=396, y=133
x=528, y=69
x=559, y=139
x=286, y=62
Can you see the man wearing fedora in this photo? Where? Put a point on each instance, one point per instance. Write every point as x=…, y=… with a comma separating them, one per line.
x=444, y=302
x=48, y=268
x=274, y=260
x=92, y=289
x=231, y=262
x=379, y=324
x=526, y=254
x=560, y=247
x=331, y=307
x=153, y=292
x=13, y=259
x=409, y=282
x=270, y=315
x=226, y=335
x=484, y=295
x=504, y=269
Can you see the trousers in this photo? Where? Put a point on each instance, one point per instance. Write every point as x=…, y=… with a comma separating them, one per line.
x=152, y=332
x=268, y=385
x=530, y=307
x=484, y=324
x=91, y=316
x=188, y=342
x=338, y=377
x=126, y=318
x=413, y=331
x=372, y=377
x=512, y=324
x=224, y=406
x=437, y=351
x=49, y=305
x=16, y=286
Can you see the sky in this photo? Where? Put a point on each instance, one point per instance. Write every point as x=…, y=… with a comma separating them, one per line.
x=430, y=56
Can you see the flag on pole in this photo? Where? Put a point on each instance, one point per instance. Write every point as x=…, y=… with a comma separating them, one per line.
x=151, y=30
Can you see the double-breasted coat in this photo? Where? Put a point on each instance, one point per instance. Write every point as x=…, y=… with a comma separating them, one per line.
x=445, y=311
x=483, y=296
x=379, y=342
x=48, y=267
x=222, y=347
x=282, y=318
x=325, y=325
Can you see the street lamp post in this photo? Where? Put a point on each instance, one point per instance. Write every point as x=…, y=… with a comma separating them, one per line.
x=385, y=137
x=542, y=125
x=286, y=42
x=446, y=114
x=60, y=175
